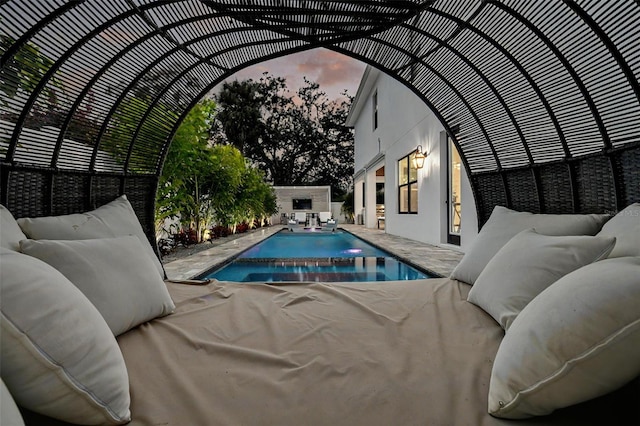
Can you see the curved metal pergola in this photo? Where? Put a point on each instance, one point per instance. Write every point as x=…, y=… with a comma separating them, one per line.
x=542, y=98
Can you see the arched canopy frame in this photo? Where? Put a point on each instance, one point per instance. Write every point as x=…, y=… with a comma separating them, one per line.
x=541, y=98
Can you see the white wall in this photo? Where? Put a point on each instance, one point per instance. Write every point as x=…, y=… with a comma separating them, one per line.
x=404, y=123
x=358, y=196
x=336, y=211
x=320, y=198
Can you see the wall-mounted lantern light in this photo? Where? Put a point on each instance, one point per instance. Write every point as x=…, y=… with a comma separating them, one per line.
x=418, y=158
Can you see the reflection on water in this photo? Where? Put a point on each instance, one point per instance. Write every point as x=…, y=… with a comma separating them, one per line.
x=353, y=269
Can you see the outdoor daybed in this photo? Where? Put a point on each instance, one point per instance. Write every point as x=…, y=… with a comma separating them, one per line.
x=398, y=353
x=541, y=100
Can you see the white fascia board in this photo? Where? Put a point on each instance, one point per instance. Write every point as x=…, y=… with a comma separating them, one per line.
x=374, y=161
x=367, y=83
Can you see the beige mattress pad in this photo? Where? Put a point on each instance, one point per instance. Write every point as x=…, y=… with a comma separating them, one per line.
x=393, y=353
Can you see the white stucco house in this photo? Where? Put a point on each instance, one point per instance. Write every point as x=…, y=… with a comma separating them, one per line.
x=433, y=204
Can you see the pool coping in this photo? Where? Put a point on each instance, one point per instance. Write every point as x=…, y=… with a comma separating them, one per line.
x=435, y=259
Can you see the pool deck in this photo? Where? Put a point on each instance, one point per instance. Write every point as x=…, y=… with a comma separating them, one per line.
x=432, y=258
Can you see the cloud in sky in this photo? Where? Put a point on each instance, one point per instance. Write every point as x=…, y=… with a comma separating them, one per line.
x=333, y=71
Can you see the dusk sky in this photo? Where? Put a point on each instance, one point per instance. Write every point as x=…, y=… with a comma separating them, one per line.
x=333, y=71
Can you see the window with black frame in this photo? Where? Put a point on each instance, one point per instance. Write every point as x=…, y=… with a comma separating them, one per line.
x=407, y=185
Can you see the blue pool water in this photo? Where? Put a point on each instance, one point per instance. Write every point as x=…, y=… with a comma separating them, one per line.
x=312, y=244
x=314, y=256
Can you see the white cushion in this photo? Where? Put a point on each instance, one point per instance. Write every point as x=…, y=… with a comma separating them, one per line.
x=10, y=232
x=625, y=226
x=114, y=273
x=59, y=357
x=579, y=339
x=504, y=223
x=528, y=264
x=114, y=219
x=9, y=412
x=324, y=216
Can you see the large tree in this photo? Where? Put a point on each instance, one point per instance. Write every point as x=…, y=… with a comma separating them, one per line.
x=294, y=139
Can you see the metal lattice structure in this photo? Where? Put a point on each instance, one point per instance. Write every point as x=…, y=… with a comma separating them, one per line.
x=541, y=97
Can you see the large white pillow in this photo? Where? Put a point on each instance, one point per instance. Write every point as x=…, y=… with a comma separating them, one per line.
x=115, y=274
x=58, y=356
x=625, y=226
x=579, y=339
x=10, y=232
x=528, y=264
x=114, y=219
x=9, y=412
x=504, y=224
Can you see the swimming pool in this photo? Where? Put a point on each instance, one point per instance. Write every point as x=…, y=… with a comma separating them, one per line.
x=314, y=256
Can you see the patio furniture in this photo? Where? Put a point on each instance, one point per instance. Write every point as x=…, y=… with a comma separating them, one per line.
x=292, y=224
x=323, y=217
x=300, y=217
x=541, y=99
x=330, y=225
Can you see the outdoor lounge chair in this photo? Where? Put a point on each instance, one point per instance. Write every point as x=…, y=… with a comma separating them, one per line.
x=330, y=225
x=300, y=218
x=292, y=224
x=323, y=217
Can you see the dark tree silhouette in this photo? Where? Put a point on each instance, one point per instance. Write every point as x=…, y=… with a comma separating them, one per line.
x=296, y=139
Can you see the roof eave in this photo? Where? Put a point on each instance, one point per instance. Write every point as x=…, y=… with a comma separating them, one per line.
x=369, y=77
